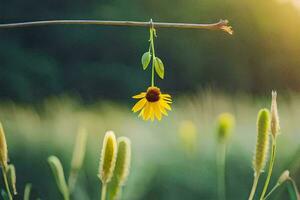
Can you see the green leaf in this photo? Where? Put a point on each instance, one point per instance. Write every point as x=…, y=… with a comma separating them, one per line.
x=159, y=67
x=146, y=58
x=58, y=173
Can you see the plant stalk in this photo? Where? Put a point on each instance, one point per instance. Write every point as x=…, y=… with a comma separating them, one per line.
x=6, y=183
x=72, y=179
x=295, y=188
x=255, y=181
x=271, y=164
x=103, y=193
x=221, y=159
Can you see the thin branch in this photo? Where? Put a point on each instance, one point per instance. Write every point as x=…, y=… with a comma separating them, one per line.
x=221, y=25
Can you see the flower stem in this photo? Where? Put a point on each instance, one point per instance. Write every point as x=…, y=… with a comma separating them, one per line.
x=221, y=171
x=152, y=33
x=273, y=153
x=6, y=182
x=255, y=181
x=103, y=193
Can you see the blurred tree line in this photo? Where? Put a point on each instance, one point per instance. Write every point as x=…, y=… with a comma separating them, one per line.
x=95, y=62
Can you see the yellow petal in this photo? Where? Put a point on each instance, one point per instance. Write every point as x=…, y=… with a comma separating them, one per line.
x=166, y=95
x=139, y=105
x=157, y=111
x=151, y=113
x=167, y=100
x=147, y=111
x=141, y=113
x=139, y=96
x=165, y=105
x=152, y=116
x=163, y=110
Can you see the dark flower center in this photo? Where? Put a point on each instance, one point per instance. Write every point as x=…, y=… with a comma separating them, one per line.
x=153, y=94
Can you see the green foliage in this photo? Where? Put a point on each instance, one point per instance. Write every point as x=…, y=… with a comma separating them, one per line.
x=40, y=62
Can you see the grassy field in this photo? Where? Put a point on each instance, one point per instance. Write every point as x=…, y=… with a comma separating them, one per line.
x=162, y=165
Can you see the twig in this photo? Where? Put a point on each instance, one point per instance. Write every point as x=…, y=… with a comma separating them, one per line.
x=221, y=25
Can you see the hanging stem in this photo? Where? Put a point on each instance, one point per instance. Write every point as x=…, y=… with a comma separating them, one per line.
x=6, y=182
x=103, y=193
x=152, y=35
x=255, y=181
x=273, y=153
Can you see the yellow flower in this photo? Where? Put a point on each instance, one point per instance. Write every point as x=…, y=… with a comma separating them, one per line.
x=152, y=104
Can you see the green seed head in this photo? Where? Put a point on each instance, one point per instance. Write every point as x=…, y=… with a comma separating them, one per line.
x=274, y=115
x=3, y=148
x=122, y=168
x=225, y=126
x=123, y=160
x=188, y=136
x=108, y=157
x=262, y=144
x=79, y=149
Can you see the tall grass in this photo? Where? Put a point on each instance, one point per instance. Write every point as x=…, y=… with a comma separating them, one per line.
x=35, y=133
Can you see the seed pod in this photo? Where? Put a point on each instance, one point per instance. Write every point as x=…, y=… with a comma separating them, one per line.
x=3, y=148
x=123, y=159
x=284, y=177
x=108, y=157
x=122, y=167
x=225, y=126
x=274, y=115
x=262, y=144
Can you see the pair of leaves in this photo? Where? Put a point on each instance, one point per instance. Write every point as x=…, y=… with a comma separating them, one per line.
x=158, y=64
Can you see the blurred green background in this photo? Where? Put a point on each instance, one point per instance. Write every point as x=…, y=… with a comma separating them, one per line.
x=104, y=62
x=55, y=79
